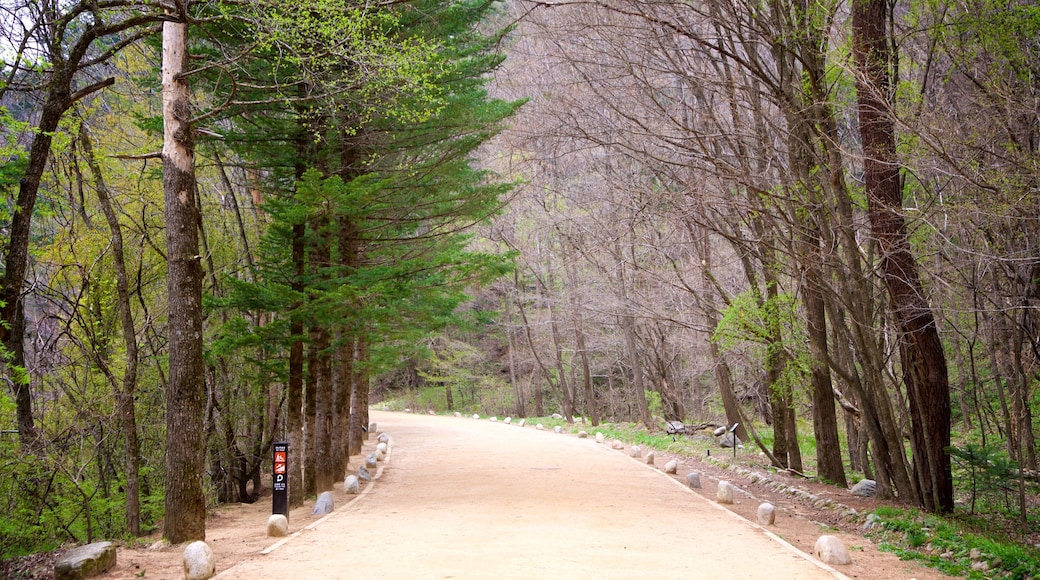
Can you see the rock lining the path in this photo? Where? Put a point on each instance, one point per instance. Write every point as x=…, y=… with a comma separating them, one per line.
x=364, y=474
x=277, y=526
x=724, y=494
x=766, y=514
x=199, y=561
x=831, y=550
x=324, y=505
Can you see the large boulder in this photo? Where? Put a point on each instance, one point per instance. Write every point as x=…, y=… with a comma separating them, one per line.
x=728, y=440
x=199, y=561
x=864, y=488
x=85, y=561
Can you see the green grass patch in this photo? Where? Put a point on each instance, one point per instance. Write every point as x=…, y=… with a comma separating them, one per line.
x=952, y=547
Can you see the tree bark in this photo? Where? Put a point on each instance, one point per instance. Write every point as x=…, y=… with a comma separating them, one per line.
x=921, y=351
x=185, y=517
x=294, y=398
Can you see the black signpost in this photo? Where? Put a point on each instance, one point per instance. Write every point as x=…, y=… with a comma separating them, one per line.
x=733, y=434
x=280, y=498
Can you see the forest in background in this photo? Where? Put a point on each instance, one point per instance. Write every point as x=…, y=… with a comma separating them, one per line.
x=819, y=221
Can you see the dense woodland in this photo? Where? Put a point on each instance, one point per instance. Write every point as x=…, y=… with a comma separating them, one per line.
x=229, y=223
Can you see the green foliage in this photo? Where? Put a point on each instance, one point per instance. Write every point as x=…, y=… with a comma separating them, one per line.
x=751, y=321
x=951, y=547
x=990, y=476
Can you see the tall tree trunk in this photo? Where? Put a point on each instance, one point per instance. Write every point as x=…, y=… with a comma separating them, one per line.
x=628, y=327
x=125, y=395
x=579, y=342
x=566, y=397
x=294, y=398
x=185, y=517
x=921, y=350
x=825, y=421
x=518, y=393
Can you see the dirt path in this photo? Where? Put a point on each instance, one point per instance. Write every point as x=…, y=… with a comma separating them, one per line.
x=461, y=498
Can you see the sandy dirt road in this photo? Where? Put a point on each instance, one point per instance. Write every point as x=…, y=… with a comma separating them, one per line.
x=462, y=498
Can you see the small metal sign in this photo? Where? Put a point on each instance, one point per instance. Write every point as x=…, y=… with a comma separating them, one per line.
x=280, y=497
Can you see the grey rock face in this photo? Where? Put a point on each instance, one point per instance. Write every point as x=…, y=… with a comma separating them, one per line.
x=830, y=550
x=277, y=526
x=199, y=561
x=371, y=460
x=324, y=505
x=85, y=561
x=351, y=484
x=873, y=521
x=865, y=488
x=693, y=479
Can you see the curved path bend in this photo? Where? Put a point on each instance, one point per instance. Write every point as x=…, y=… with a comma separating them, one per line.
x=465, y=498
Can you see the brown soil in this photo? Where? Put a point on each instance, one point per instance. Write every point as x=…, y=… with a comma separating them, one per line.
x=467, y=498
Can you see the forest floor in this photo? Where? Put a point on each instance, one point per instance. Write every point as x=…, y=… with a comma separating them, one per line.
x=467, y=498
